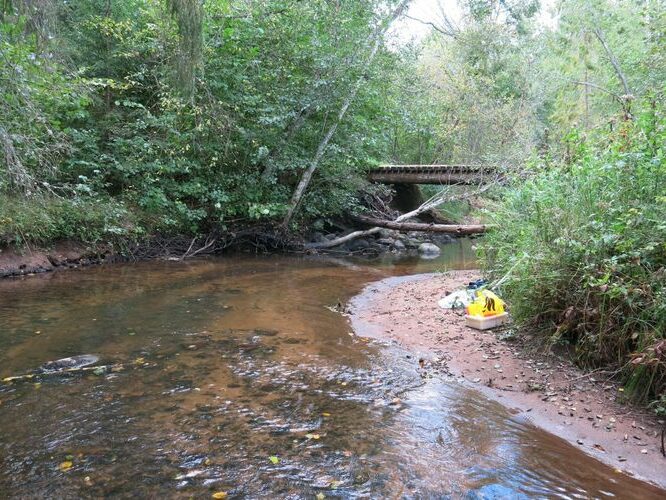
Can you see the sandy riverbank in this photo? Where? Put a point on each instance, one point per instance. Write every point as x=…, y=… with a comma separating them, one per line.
x=546, y=389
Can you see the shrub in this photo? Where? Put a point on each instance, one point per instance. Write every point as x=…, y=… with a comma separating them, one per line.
x=44, y=219
x=583, y=250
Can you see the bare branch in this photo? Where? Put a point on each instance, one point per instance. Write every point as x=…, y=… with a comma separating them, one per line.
x=439, y=29
x=613, y=60
x=599, y=87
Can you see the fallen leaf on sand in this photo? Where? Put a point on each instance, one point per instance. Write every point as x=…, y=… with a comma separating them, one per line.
x=65, y=466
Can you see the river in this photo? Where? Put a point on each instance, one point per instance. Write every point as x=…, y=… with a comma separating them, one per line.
x=239, y=376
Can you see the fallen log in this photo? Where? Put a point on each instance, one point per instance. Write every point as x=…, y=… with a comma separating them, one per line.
x=419, y=226
x=343, y=239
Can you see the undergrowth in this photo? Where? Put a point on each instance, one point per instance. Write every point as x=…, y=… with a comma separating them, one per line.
x=44, y=219
x=582, y=250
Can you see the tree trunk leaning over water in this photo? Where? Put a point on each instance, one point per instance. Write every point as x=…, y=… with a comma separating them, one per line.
x=376, y=40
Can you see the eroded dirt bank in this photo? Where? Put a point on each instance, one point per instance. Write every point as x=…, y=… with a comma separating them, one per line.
x=63, y=255
x=548, y=389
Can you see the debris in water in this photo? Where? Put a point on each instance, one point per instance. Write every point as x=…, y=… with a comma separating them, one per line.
x=68, y=363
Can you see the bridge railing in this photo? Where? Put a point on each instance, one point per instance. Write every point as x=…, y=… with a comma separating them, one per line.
x=432, y=174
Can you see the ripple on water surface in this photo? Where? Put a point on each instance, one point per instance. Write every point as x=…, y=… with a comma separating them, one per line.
x=233, y=375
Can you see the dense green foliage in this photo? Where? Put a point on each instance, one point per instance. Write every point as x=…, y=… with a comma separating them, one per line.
x=583, y=248
x=191, y=116
x=581, y=245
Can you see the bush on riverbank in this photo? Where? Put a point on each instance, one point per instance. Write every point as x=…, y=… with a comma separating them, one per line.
x=583, y=249
x=42, y=219
x=190, y=118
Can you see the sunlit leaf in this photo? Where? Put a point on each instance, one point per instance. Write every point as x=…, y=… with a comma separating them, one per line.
x=66, y=465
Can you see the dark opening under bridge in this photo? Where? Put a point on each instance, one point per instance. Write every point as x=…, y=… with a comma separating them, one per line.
x=432, y=174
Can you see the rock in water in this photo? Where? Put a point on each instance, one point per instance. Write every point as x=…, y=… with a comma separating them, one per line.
x=429, y=250
x=68, y=363
x=399, y=246
x=358, y=245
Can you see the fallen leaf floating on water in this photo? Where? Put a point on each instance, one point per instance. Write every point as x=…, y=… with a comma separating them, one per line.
x=312, y=436
x=274, y=460
x=220, y=494
x=320, y=496
x=65, y=466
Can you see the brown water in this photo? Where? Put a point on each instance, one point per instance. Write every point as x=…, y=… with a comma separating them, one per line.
x=230, y=361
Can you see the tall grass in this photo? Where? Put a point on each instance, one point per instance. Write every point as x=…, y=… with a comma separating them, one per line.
x=582, y=247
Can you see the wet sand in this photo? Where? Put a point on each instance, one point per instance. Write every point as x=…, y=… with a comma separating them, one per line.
x=544, y=388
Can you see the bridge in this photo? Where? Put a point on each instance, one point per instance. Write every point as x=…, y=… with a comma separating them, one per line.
x=432, y=174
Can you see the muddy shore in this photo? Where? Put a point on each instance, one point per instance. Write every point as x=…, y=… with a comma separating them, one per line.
x=63, y=255
x=544, y=388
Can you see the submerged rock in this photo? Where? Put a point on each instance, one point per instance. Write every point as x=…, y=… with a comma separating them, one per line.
x=68, y=363
x=429, y=250
x=359, y=244
x=399, y=246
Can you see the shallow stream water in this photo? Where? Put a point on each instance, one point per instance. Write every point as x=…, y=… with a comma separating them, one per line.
x=237, y=375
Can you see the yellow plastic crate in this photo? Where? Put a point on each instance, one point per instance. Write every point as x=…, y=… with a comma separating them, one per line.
x=486, y=322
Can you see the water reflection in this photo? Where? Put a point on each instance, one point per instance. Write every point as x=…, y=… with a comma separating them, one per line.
x=229, y=362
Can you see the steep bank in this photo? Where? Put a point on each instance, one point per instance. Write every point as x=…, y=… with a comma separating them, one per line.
x=546, y=389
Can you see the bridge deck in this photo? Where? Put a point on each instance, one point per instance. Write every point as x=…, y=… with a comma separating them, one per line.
x=431, y=174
